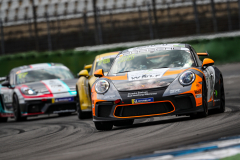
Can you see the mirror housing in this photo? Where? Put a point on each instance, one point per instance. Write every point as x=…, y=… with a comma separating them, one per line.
x=207, y=62
x=203, y=54
x=88, y=66
x=99, y=73
x=3, y=79
x=83, y=73
x=6, y=84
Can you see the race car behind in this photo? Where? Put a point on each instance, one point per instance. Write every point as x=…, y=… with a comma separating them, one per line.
x=45, y=88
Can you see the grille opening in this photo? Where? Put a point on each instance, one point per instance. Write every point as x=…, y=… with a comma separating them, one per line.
x=104, y=110
x=35, y=108
x=59, y=107
x=143, y=109
x=184, y=102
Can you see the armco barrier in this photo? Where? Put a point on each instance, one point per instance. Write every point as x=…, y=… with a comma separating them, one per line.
x=221, y=50
x=75, y=60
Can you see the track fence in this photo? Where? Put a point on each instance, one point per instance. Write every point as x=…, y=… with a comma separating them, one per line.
x=56, y=26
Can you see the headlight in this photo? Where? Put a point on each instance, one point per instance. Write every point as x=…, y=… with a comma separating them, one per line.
x=187, y=78
x=28, y=91
x=102, y=86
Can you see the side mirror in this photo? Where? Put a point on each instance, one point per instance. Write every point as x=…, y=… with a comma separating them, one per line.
x=99, y=73
x=207, y=62
x=203, y=54
x=6, y=84
x=88, y=66
x=3, y=79
x=83, y=73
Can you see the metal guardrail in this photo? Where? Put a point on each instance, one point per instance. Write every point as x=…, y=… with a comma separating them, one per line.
x=160, y=41
x=152, y=19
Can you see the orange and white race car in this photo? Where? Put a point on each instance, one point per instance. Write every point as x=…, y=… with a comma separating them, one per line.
x=156, y=80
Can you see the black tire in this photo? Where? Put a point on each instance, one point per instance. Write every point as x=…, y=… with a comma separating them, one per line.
x=103, y=126
x=80, y=114
x=3, y=119
x=124, y=122
x=222, y=98
x=204, y=101
x=16, y=110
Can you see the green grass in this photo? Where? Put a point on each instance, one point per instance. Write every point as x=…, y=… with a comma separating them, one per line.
x=235, y=157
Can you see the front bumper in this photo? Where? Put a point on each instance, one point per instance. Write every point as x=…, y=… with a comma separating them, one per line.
x=173, y=105
x=38, y=107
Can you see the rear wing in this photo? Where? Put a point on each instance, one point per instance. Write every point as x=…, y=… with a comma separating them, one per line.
x=3, y=79
x=203, y=54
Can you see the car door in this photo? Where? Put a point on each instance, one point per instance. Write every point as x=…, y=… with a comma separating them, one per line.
x=210, y=81
x=209, y=73
x=6, y=98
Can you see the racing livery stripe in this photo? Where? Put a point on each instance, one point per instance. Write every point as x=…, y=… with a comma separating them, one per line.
x=124, y=77
x=6, y=115
x=47, y=87
x=31, y=114
x=56, y=86
x=169, y=72
x=73, y=93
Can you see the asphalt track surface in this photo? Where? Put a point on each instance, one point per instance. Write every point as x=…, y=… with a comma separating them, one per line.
x=53, y=137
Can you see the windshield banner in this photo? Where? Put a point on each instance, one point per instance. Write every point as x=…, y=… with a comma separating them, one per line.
x=146, y=74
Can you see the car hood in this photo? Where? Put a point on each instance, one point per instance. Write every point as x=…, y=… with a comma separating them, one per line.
x=145, y=79
x=53, y=86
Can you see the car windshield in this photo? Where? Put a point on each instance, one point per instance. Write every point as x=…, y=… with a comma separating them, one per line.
x=104, y=64
x=40, y=74
x=128, y=61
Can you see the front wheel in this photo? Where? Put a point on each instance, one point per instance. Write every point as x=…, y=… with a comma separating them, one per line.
x=103, y=126
x=80, y=114
x=222, y=98
x=204, y=101
x=16, y=110
x=3, y=119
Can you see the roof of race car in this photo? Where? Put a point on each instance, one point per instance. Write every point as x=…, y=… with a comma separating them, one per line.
x=149, y=48
x=107, y=54
x=38, y=65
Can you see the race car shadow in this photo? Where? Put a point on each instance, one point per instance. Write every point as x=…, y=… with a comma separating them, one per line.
x=42, y=117
x=151, y=123
x=142, y=123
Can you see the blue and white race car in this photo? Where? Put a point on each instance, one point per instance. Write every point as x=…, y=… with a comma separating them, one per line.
x=46, y=88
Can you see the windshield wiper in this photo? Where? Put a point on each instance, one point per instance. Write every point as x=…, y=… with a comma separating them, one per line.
x=122, y=72
x=159, y=67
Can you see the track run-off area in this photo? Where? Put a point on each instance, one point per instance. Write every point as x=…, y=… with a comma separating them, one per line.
x=56, y=138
